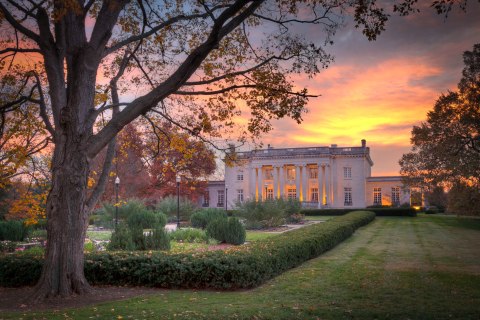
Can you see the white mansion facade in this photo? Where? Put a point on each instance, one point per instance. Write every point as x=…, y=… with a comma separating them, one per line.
x=320, y=177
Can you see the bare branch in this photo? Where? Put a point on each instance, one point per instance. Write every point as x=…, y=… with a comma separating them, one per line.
x=18, y=26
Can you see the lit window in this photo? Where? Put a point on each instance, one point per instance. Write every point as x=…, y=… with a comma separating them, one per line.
x=347, y=172
x=269, y=194
x=348, y=196
x=314, y=173
x=240, y=195
x=314, y=195
x=292, y=193
x=291, y=173
x=221, y=198
x=377, y=196
x=206, y=199
x=268, y=174
x=396, y=195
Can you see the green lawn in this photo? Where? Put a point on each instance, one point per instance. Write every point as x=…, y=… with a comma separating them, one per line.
x=395, y=268
x=99, y=235
x=259, y=235
x=318, y=218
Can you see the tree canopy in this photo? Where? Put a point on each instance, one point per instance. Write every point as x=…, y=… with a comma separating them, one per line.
x=446, y=147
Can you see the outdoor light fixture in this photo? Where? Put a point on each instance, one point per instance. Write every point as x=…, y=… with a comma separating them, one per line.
x=178, y=201
x=117, y=185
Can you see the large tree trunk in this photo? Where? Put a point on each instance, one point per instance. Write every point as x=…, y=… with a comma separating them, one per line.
x=67, y=216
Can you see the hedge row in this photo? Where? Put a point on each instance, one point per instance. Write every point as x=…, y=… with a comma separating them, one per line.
x=379, y=212
x=325, y=212
x=238, y=267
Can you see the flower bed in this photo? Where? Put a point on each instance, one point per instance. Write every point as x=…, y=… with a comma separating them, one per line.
x=237, y=267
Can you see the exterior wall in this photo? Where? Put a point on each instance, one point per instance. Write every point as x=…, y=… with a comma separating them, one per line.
x=386, y=184
x=249, y=178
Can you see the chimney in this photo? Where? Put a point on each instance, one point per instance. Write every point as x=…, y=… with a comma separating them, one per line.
x=364, y=143
x=231, y=147
x=333, y=146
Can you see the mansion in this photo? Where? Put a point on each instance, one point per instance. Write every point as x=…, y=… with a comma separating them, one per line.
x=319, y=177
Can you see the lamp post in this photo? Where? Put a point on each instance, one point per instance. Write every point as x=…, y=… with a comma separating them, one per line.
x=178, y=201
x=226, y=196
x=117, y=184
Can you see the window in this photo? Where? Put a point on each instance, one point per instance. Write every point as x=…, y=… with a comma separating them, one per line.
x=396, y=195
x=240, y=195
x=269, y=194
x=314, y=195
x=240, y=176
x=314, y=173
x=269, y=174
x=291, y=173
x=221, y=198
x=347, y=172
x=206, y=199
x=292, y=193
x=377, y=196
x=348, y=196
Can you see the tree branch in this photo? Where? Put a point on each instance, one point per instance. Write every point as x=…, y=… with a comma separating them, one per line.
x=234, y=15
x=18, y=26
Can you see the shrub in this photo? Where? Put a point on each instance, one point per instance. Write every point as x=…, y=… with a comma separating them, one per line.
x=13, y=230
x=325, y=212
x=157, y=239
x=121, y=239
x=394, y=212
x=189, y=235
x=263, y=214
x=202, y=217
x=217, y=229
x=168, y=206
x=243, y=267
x=235, y=233
x=296, y=218
x=147, y=219
x=7, y=246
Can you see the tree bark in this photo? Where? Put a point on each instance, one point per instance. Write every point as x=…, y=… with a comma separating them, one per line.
x=67, y=216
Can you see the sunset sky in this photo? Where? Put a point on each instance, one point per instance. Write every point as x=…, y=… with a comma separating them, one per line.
x=378, y=90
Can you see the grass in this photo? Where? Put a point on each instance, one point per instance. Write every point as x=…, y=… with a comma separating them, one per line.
x=99, y=235
x=318, y=218
x=395, y=268
x=258, y=235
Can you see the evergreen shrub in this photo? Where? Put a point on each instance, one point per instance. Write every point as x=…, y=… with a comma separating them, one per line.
x=157, y=239
x=202, y=217
x=235, y=233
x=217, y=229
x=242, y=267
x=13, y=230
x=269, y=213
x=121, y=239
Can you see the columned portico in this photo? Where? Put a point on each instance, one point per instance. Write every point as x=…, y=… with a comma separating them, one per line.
x=332, y=177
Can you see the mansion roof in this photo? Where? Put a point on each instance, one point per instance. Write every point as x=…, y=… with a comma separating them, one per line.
x=308, y=152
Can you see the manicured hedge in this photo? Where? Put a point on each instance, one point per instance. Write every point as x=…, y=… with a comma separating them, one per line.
x=325, y=212
x=380, y=212
x=394, y=212
x=238, y=267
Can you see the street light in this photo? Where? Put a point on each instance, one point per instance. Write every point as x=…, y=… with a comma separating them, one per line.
x=178, y=202
x=226, y=196
x=117, y=184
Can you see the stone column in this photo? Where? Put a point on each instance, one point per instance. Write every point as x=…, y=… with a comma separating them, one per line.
x=305, y=175
x=260, y=183
x=256, y=184
x=298, y=180
x=321, y=184
x=275, y=182
x=327, y=184
x=281, y=170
